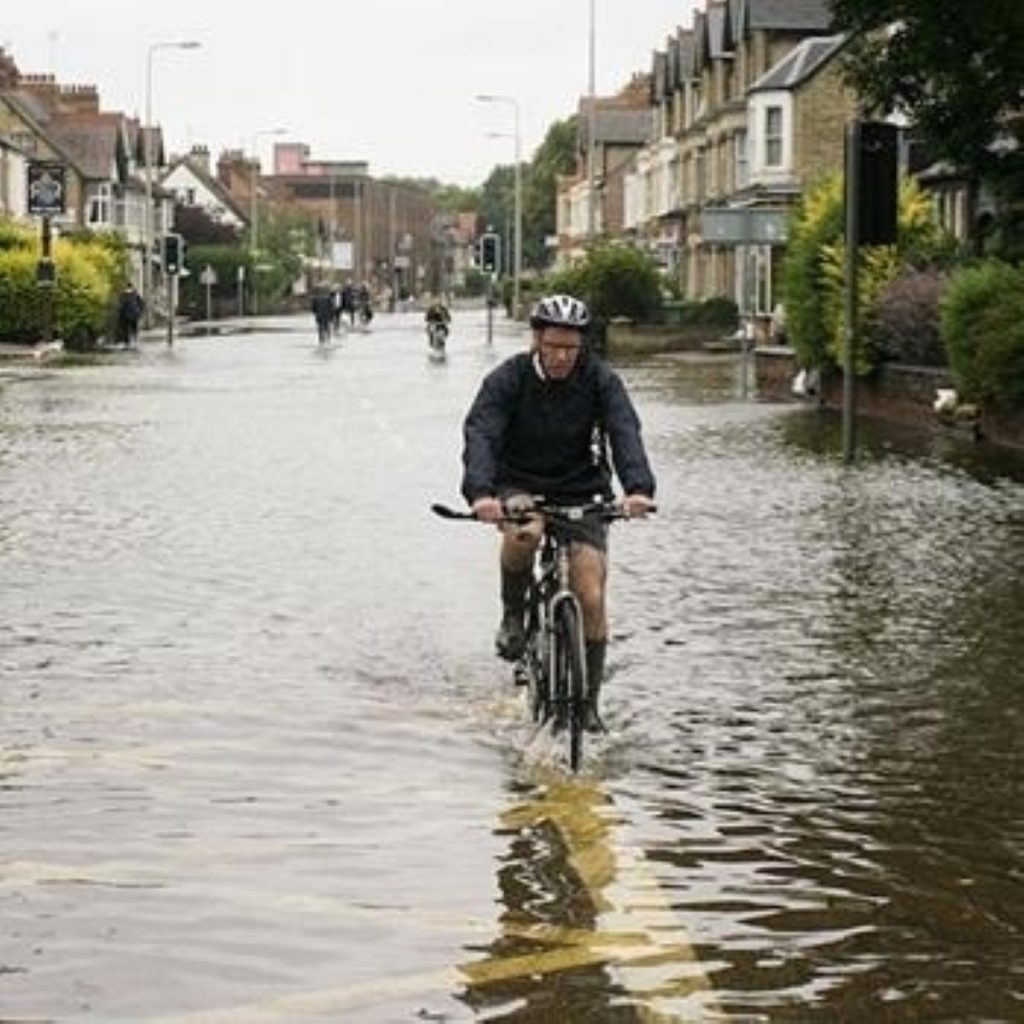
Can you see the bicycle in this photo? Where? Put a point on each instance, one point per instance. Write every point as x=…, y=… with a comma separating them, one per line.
x=553, y=665
x=437, y=336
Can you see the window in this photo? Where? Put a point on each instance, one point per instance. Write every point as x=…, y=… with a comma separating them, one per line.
x=99, y=204
x=742, y=163
x=773, y=137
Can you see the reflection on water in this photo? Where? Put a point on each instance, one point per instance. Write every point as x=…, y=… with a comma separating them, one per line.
x=257, y=762
x=586, y=932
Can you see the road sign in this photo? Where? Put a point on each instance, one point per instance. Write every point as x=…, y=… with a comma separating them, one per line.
x=208, y=276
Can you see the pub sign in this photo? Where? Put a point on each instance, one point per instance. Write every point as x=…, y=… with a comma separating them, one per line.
x=45, y=188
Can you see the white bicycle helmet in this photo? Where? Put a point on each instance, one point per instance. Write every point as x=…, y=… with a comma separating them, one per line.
x=560, y=311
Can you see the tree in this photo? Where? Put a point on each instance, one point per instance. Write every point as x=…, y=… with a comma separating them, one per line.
x=555, y=156
x=614, y=280
x=197, y=227
x=957, y=72
x=497, y=204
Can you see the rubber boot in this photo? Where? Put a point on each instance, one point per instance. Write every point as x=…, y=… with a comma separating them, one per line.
x=510, y=642
x=595, y=676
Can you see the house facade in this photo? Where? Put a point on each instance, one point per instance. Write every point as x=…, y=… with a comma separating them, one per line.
x=190, y=182
x=622, y=125
x=103, y=153
x=749, y=110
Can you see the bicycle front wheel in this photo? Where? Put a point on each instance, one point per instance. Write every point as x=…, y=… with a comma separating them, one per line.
x=570, y=678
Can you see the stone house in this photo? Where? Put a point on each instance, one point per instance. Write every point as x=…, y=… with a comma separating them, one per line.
x=749, y=110
x=622, y=125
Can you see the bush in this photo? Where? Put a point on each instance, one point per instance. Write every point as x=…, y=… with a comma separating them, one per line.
x=814, y=270
x=225, y=261
x=816, y=221
x=614, y=280
x=87, y=275
x=982, y=325
x=903, y=324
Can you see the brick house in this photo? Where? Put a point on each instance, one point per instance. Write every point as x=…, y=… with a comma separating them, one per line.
x=376, y=230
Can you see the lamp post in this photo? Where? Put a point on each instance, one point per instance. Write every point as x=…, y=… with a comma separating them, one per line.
x=147, y=155
x=518, y=264
x=591, y=132
x=254, y=209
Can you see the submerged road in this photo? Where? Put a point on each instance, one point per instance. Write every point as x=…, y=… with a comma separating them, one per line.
x=259, y=764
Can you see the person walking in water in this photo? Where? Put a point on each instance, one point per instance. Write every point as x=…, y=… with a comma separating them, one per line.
x=129, y=312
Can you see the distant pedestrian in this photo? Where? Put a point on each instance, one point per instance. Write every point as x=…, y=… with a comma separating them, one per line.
x=348, y=302
x=336, y=308
x=129, y=312
x=323, y=312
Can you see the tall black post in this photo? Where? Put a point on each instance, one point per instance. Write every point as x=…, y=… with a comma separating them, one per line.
x=850, y=326
x=47, y=281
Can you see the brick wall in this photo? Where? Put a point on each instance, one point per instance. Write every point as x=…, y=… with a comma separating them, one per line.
x=821, y=110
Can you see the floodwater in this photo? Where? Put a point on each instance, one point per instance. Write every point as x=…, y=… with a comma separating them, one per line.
x=258, y=763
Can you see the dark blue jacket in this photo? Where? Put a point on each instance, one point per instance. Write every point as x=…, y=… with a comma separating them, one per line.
x=548, y=437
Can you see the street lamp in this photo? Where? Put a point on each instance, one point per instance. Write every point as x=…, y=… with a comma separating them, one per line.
x=591, y=132
x=518, y=265
x=147, y=155
x=254, y=209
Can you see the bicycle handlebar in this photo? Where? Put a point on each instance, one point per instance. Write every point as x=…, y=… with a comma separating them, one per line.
x=608, y=511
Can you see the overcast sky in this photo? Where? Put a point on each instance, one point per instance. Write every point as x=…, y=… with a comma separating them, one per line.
x=391, y=82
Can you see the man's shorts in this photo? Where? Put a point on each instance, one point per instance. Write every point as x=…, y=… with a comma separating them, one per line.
x=591, y=530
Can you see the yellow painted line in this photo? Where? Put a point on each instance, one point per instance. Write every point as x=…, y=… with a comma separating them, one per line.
x=636, y=935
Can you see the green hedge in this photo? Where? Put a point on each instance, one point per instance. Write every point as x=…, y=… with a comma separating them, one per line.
x=982, y=324
x=88, y=275
x=614, y=280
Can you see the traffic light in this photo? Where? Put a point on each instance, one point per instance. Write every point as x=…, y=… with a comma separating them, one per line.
x=490, y=252
x=174, y=254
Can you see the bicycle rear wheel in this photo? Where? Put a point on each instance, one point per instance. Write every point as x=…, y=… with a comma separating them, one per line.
x=570, y=678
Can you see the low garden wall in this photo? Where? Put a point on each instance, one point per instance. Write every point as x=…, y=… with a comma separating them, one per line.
x=898, y=394
x=625, y=339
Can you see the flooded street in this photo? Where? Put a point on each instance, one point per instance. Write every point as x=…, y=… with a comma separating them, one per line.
x=258, y=762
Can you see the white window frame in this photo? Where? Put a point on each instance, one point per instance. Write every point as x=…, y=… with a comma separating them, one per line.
x=742, y=159
x=774, y=136
x=101, y=205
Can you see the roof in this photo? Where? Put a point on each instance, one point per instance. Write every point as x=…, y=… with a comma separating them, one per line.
x=97, y=141
x=20, y=104
x=687, y=68
x=802, y=15
x=803, y=61
x=209, y=182
x=619, y=126
x=718, y=45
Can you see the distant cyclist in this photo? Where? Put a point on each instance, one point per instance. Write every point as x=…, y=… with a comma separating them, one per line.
x=539, y=425
x=438, y=320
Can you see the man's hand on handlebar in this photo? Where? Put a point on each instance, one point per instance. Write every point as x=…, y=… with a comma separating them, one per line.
x=488, y=510
x=636, y=506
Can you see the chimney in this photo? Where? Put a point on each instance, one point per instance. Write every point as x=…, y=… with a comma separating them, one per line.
x=79, y=99
x=9, y=73
x=199, y=156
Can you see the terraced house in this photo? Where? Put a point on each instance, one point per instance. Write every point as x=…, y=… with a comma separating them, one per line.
x=749, y=110
x=102, y=153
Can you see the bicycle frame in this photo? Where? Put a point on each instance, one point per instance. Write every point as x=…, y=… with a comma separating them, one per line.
x=548, y=593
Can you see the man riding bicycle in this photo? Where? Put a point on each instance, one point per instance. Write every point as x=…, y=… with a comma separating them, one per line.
x=539, y=425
